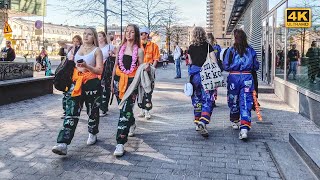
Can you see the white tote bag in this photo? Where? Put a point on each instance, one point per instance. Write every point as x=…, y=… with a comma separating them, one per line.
x=211, y=74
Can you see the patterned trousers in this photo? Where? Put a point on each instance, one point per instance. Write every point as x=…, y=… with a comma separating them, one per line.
x=91, y=97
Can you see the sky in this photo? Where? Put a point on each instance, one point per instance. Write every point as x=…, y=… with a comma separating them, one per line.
x=189, y=13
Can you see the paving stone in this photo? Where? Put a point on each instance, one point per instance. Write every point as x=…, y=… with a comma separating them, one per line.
x=165, y=147
x=240, y=177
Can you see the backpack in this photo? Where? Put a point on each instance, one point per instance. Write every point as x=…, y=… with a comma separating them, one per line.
x=63, y=75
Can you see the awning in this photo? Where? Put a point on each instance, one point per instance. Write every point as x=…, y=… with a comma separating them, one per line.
x=238, y=9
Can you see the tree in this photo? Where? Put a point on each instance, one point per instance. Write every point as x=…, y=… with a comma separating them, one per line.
x=93, y=9
x=149, y=13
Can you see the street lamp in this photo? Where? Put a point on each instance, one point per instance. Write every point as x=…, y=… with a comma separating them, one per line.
x=121, y=19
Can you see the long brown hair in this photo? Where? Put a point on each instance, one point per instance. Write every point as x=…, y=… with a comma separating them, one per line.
x=240, y=41
x=104, y=35
x=210, y=38
x=136, y=35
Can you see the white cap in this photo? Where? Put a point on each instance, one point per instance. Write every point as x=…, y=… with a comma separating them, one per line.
x=144, y=30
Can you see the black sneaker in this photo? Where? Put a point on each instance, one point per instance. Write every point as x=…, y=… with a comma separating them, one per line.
x=203, y=129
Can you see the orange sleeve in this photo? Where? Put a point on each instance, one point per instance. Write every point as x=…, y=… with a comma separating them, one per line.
x=156, y=52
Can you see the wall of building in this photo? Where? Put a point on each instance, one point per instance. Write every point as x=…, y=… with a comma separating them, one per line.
x=251, y=23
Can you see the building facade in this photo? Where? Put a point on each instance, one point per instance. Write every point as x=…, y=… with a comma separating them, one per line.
x=14, y=8
x=26, y=41
x=218, y=12
x=264, y=23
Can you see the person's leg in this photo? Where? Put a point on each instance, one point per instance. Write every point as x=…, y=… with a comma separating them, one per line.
x=196, y=98
x=233, y=100
x=246, y=103
x=177, y=65
x=105, y=97
x=294, y=69
x=64, y=104
x=290, y=69
x=92, y=94
x=73, y=109
x=179, y=68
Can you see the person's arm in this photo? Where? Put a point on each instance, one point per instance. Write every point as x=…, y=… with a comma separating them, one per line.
x=156, y=55
x=212, y=55
x=140, y=56
x=99, y=65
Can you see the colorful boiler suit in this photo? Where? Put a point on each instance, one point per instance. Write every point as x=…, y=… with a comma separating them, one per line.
x=85, y=89
x=202, y=100
x=240, y=84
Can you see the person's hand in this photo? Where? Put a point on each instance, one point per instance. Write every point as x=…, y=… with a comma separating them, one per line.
x=83, y=64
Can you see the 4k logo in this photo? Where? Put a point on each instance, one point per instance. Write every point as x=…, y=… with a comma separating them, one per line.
x=298, y=17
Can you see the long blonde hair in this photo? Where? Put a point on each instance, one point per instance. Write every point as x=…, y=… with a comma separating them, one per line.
x=198, y=36
x=95, y=36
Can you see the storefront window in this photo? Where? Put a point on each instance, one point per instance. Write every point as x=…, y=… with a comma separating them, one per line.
x=280, y=41
x=306, y=71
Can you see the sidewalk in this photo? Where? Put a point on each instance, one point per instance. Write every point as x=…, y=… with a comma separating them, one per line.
x=165, y=147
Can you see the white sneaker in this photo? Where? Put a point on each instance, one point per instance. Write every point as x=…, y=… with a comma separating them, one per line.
x=142, y=113
x=235, y=126
x=197, y=128
x=147, y=115
x=203, y=129
x=131, y=130
x=243, y=135
x=92, y=139
x=119, y=150
x=60, y=149
x=103, y=113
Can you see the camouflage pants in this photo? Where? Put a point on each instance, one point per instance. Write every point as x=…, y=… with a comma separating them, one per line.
x=91, y=94
x=126, y=118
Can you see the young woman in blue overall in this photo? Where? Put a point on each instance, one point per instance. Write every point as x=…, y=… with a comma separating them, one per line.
x=240, y=60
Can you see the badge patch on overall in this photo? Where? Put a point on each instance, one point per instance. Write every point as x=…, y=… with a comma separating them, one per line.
x=246, y=89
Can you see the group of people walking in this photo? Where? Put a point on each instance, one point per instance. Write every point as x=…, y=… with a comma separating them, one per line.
x=128, y=72
x=101, y=71
x=240, y=61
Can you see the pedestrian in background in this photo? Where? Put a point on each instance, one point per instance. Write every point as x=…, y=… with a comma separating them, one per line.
x=293, y=57
x=177, y=59
x=129, y=57
x=313, y=54
x=8, y=53
x=108, y=51
x=240, y=60
x=217, y=50
x=77, y=42
x=151, y=57
x=202, y=100
x=85, y=89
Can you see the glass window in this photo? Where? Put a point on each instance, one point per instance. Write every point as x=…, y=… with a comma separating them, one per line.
x=280, y=41
x=304, y=69
x=273, y=3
